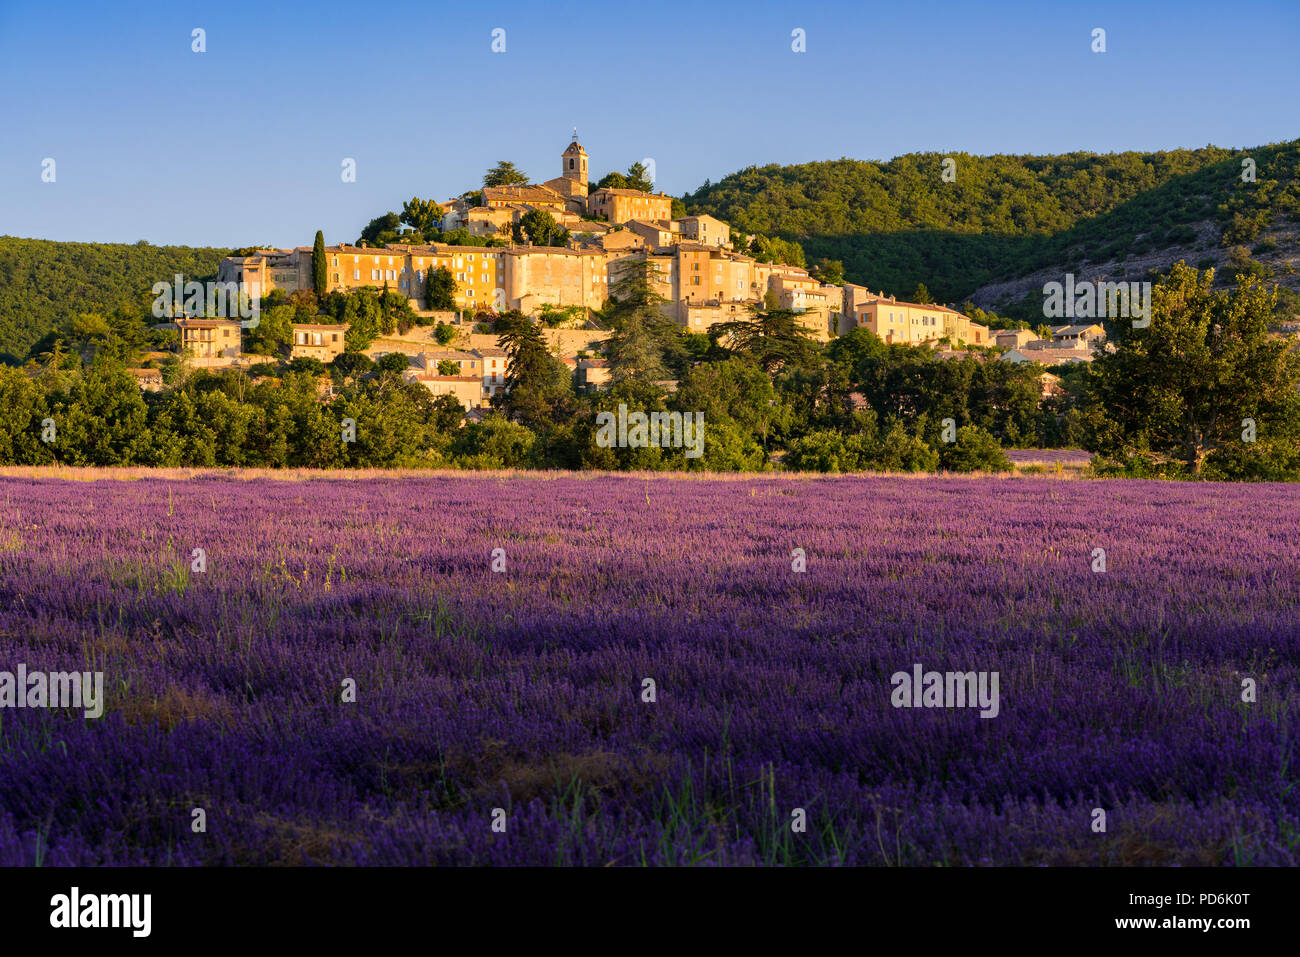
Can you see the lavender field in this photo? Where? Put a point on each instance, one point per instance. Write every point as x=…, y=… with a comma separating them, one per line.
x=523, y=689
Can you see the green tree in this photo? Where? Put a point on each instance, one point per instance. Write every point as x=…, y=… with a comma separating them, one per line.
x=505, y=173
x=975, y=450
x=394, y=424
x=102, y=419
x=734, y=391
x=1181, y=390
x=638, y=177
x=539, y=388
x=494, y=443
x=830, y=271
x=440, y=289
x=541, y=229
x=394, y=362
x=181, y=436
x=869, y=449
x=380, y=230
x=613, y=181
x=774, y=339
x=775, y=250
x=635, y=350
x=319, y=270
x=22, y=409
x=447, y=413
x=351, y=365
x=821, y=451
x=369, y=313
x=308, y=365
x=422, y=215
x=1004, y=399
x=274, y=331
x=642, y=397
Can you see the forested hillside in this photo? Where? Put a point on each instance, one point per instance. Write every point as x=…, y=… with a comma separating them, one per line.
x=899, y=223
x=43, y=283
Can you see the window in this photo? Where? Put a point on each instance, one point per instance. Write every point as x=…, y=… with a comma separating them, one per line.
x=356, y=274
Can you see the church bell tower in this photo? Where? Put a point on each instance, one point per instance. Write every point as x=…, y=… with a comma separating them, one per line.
x=573, y=162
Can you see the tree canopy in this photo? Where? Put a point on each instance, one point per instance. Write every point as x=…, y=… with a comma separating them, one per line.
x=505, y=173
x=1204, y=385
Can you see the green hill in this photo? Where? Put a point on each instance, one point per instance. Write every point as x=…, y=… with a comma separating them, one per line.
x=897, y=224
x=45, y=283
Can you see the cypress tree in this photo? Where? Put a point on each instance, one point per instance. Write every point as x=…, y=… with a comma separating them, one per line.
x=318, y=275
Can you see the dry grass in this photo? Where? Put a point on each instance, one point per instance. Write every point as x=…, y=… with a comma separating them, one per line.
x=132, y=473
x=174, y=706
x=293, y=844
x=1132, y=846
x=594, y=771
x=487, y=771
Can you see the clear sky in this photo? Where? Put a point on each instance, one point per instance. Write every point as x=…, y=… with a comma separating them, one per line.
x=243, y=144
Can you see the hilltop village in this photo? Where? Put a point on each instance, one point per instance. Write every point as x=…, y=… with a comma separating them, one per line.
x=702, y=275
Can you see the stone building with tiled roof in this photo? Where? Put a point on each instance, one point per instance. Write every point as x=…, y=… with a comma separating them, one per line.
x=913, y=323
x=622, y=205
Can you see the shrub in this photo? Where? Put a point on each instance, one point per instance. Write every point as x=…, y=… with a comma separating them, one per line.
x=494, y=443
x=976, y=450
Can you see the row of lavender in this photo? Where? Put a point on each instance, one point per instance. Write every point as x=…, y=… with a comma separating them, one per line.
x=502, y=711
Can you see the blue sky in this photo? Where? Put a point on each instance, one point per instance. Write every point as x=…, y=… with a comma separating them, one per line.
x=242, y=144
